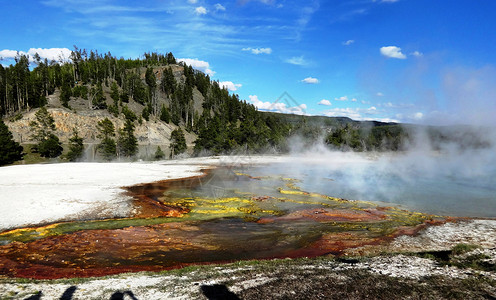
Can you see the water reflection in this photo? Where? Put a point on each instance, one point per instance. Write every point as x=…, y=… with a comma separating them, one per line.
x=225, y=216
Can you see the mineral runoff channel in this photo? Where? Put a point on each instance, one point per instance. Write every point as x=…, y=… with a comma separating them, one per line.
x=227, y=214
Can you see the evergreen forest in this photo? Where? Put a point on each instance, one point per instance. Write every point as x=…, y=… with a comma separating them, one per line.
x=171, y=92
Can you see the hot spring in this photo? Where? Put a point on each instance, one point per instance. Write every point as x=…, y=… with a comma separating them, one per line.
x=461, y=185
x=307, y=205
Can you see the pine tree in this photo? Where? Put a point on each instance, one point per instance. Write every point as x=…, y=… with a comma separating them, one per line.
x=10, y=150
x=159, y=154
x=124, y=97
x=127, y=142
x=145, y=113
x=107, y=146
x=129, y=114
x=150, y=79
x=76, y=147
x=164, y=114
x=44, y=127
x=114, y=92
x=178, y=142
x=51, y=147
x=98, y=100
x=168, y=83
x=65, y=95
x=66, y=90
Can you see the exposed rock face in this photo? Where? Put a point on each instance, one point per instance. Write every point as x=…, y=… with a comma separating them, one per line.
x=149, y=134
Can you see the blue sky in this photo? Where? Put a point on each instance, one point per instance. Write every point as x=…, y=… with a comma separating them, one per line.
x=419, y=61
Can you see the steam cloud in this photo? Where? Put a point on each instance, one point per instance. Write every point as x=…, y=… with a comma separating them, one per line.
x=451, y=174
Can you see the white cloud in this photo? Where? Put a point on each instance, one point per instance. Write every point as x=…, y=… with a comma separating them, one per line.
x=390, y=1
x=396, y=105
x=310, y=80
x=360, y=114
x=297, y=60
x=325, y=102
x=343, y=98
x=230, y=85
x=385, y=120
x=418, y=116
x=354, y=100
x=348, y=42
x=200, y=10
x=417, y=54
x=198, y=64
x=392, y=52
x=379, y=94
x=8, y=54
x=192, y=1
x=258, y=50
x=343, y=112
x=57, y=54
x=280, y=107
x=219, y=6
x=51, y=53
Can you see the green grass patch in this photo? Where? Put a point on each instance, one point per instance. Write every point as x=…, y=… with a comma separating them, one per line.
x=463, y=248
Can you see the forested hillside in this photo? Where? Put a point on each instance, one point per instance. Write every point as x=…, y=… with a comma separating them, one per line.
x=118, y=105
x=155, y=87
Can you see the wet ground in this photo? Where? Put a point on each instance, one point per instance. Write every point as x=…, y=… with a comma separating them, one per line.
x=226, y=215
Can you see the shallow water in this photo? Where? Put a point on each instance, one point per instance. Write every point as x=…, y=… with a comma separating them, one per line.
x=276, y=210
x=440, y=189
x=225, y=216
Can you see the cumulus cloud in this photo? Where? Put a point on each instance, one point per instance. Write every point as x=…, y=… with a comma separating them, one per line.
x=192, y=1
x=359, y=114
x=354, y=100
x=396, y=105
x=343, y=98
x=310, y=80
x=325, y=102
x=418, y=116
x=343, y=112
x=8, y=54
x=200, y=10
x=198, y=64
x=220, y=7
x=348, y=42
x=297, y=60
x=56, y=54
x=379, y=94
x=417, y=54
x=230, y=85
x=280, y=107
x=51, y=53
x=392, y=52
x=258, y=50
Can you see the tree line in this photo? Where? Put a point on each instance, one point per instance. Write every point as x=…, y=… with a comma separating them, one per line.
x=171, y=92
x=222, y=121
